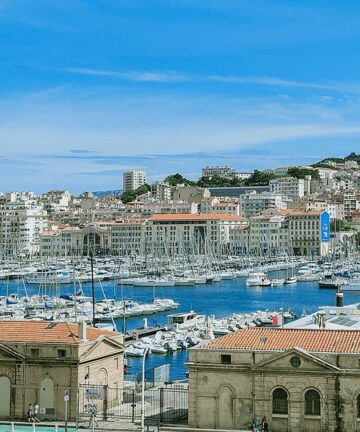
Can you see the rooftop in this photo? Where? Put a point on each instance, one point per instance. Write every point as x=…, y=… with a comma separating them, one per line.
x=47, y=332
x=276, y=339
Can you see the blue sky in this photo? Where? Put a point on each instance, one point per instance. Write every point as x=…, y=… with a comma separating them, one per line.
x=90, y=88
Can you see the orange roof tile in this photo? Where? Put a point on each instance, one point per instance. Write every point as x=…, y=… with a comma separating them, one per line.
x=46, y=332
x=194, y=217
x=276, y=339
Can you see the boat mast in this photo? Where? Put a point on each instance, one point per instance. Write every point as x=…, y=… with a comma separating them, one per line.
x=92, y=287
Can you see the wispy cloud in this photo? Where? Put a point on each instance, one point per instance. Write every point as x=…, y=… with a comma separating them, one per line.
x=175, y=76
x=271, y=81
x=138, y=76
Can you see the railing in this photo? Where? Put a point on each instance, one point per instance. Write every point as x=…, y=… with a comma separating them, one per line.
x=168, y=404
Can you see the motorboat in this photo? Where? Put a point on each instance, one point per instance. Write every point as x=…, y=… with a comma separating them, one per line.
x=291, y=280
x=331, y=282
x=277, y=282
x=265, y=282
x=186, y=320
x=255, y=279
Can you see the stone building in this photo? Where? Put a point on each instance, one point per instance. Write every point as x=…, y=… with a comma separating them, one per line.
x=40, y=360
x=302, y=380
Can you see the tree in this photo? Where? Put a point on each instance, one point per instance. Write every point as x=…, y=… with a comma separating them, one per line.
x=301, y=173
x=259, y=178
x=219, y=181
x=129, y=196
x=337, y=225
x=176, y=179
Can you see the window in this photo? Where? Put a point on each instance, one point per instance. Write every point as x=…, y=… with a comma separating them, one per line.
x=358, y=406
x=280, y=401
x=61, y=353
x=35, y=352
x=225, y=359
x=312, y=403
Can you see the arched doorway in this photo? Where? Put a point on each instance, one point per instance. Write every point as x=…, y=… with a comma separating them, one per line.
x=5, y=396
x=103, y=377
x=225, y=409
x=46, y=401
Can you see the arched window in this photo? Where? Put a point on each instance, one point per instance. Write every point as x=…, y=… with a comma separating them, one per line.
x=280, y=401
x=358, y=406
x=312, y=403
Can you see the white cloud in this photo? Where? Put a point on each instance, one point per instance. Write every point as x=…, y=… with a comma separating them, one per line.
x=139, y=76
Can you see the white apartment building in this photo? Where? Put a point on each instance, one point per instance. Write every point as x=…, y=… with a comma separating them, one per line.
x=222, y=171
x=133, y=179
x=289, y=187
x=20, y=227
x=253, y=203
x=56, y=200
x=351, y=164
x=196, y=234
x=243, y=175
x=161, y=191
x=351, y=203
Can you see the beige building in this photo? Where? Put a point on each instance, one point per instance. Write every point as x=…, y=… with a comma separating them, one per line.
x=195, y=233
x=302, y=380
x=40, y=360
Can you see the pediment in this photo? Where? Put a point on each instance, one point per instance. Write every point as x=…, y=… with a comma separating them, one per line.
x=102, y=347
x=309, y=362
x=9, y=354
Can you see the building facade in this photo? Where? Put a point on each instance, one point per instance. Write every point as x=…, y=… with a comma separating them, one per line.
x=253, y=203
x=302, y=380
x=289, y=187
x=133, y=179
x=40, y=360
x=21, y=225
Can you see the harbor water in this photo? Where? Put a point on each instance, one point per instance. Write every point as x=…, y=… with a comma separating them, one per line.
x=220, y=299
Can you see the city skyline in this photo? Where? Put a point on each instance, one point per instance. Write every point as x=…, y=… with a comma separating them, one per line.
x=91, y=89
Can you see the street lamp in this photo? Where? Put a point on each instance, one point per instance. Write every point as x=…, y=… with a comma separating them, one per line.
x=146, y=350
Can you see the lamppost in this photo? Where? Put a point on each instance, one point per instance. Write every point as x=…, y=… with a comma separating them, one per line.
x=143, y=390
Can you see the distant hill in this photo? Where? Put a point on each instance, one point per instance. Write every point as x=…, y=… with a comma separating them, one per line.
x=101, y=194
x=352, y=156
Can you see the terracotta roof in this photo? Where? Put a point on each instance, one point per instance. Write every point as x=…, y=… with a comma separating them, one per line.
x=46, y=332
x=194, y=217
x=276, y=339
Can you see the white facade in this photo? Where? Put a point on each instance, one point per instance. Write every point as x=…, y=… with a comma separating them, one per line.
x=20, y=227
x=161, y=191
x=133, y=179
x=223, y=171
x=253, y=203
x=290, y=187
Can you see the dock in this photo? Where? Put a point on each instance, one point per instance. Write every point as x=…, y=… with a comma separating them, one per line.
x=136, y=334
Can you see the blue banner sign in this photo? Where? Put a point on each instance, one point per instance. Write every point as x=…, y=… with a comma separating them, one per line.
x=325, y=227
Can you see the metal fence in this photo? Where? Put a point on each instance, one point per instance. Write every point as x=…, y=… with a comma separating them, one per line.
x=167, y=404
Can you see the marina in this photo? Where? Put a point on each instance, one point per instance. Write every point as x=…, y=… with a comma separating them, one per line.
x=223, y=304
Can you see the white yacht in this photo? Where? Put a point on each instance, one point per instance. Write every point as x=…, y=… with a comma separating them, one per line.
x=255, y=279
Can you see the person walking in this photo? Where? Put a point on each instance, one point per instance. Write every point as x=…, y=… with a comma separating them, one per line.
x=36, y=412
x=264, y=425
x=92, y=421
x=255, y=424
x=30, y=414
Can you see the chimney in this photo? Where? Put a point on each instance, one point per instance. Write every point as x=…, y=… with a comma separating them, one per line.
x=83, y=330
